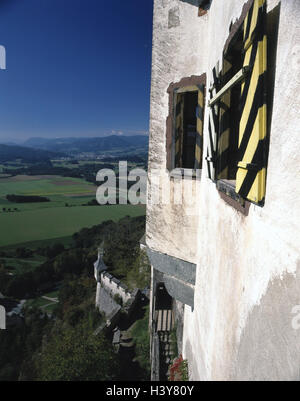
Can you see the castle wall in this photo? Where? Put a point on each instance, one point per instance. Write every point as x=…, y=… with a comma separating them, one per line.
x=247, y=278
x=115, y=287
x=106, y=304
x=172, y=59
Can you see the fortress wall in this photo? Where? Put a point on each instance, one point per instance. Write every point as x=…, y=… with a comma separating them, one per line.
x=248, y=267
x=115, y=287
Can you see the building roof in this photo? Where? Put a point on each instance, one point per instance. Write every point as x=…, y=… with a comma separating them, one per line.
x=99, y=264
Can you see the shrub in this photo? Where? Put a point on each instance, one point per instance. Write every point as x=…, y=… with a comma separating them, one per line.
x=118, y=299
x=179, y=370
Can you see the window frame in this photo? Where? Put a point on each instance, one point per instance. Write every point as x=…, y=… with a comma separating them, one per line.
x=226, y=189
x=223, y=184
x=187, y=84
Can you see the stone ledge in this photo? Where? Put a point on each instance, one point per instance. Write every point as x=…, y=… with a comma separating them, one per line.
x=177, y=268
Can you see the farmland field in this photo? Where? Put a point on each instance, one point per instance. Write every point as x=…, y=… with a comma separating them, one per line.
x=47, y=221
x=45, y=186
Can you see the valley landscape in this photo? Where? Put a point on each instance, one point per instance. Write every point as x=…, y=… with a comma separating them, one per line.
x=74, y=275
x=51, y=227
x=68, y=182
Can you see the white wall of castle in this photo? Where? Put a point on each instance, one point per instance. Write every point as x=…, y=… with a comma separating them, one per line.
x=248, y=267
x=114, y=288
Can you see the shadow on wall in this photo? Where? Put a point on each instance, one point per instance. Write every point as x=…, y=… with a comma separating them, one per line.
x=193, y=362
x=273, y=18
x=270, y=348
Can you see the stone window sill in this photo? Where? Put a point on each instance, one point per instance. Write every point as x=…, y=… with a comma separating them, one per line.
x=227, y=192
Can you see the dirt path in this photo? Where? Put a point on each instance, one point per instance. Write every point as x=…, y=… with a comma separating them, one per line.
x=50, y=299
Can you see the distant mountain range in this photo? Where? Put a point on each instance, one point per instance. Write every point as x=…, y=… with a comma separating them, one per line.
x=73, y=146
x=9, y=153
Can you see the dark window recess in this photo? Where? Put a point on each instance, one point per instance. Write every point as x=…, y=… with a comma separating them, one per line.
x=228, y=156
x=189, y=129
x=205, y=4
x=237, y=150
x=184, y=137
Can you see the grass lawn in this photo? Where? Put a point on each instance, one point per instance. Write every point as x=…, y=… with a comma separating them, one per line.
x=50, y=307
x=53, y=294
x=66, y=241
x=20, y=266
x=45, y=304
x=34, y=223
x=51, y=223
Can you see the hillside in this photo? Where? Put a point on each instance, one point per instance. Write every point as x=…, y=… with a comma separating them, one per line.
x=79, y=145
x=10, y=153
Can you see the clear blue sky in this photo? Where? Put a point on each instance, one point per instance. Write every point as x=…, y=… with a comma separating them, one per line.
x=75, y=67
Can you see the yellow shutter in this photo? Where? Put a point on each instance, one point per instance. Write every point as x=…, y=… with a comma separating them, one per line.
x=200, y=121
x=251, y=174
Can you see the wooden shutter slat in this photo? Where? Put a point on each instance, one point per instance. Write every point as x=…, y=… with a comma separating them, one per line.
x=224, y=134
x=213, y=127
x=251, y=174
x=200, y=121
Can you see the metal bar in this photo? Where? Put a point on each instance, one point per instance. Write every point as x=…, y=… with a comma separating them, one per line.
x=234, y=80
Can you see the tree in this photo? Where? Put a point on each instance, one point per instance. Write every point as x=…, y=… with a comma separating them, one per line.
x=23, y=253
x=76, y=354
x=56, y=249
x=4, y=279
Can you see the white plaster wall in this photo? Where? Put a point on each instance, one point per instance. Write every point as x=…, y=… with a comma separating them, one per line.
x=238, y=258
x=98, y=294
x=177, y=52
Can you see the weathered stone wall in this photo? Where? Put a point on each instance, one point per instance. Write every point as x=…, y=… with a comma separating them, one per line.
x=115, y=287
x=178, y=309
x=105, y=303
x=247, y=279
x=177, y=275
x=178, y=51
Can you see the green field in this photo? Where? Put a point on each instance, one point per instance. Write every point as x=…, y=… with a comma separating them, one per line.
x=52, y=220
x=42, y=224
x=45, y=186
x=66, y=241
x=47, y=305
x=19, y=266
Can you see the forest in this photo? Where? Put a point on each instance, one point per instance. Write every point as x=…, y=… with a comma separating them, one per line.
x=61, y=345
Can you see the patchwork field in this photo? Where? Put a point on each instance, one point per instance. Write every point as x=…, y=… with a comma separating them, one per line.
x=59, y=218
x=50, y=223
x=45, y=186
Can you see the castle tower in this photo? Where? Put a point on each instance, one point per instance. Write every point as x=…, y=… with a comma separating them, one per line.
x=99, y=265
